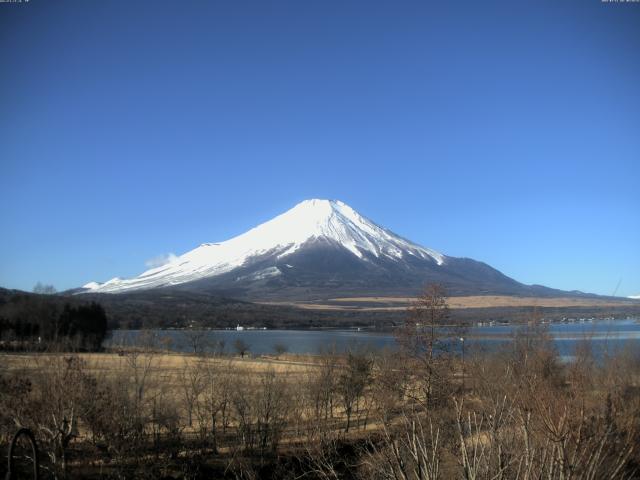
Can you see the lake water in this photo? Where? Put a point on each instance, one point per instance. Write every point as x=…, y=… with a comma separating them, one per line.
x=604, y=335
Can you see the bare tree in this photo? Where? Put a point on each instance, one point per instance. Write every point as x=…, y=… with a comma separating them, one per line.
x=44, y=289
x=241, y=347
x=322, y=387
x=353, y=381
x=213, y=403
x=389, y=385
x=280, y=349
x=322, y=454
x=242, y=394
x=61, y=399
x=197, y=340
x=271, y=408
x=425, y=342
x=139, y=363
x=192, y=384
x=412, y=452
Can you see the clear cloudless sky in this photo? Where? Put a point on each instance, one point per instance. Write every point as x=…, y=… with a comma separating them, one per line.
x=504, y=131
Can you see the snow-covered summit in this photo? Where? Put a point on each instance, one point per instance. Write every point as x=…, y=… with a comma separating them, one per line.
x=308, y=221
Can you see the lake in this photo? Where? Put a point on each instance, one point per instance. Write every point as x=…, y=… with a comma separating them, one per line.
x=605, y=336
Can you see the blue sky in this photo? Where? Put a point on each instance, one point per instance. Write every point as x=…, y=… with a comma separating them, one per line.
x=508, y=132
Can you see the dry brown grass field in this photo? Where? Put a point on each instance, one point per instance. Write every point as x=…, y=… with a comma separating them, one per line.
x=478, y=301
x=164, y=364
x=166, y=373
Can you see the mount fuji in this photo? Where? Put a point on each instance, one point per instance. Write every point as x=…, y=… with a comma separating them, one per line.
x=319, y=249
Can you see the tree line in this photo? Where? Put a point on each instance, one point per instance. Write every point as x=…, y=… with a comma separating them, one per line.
x=38, y=322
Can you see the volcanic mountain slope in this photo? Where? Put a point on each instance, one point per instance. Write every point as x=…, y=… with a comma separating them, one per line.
x=319, y=249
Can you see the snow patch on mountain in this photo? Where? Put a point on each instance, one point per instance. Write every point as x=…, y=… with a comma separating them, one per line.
x=285, y=234
x=634, y=297
x=261, y=274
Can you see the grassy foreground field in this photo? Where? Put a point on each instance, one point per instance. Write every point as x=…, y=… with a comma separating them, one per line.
x=166, y=365
x=418, y=413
